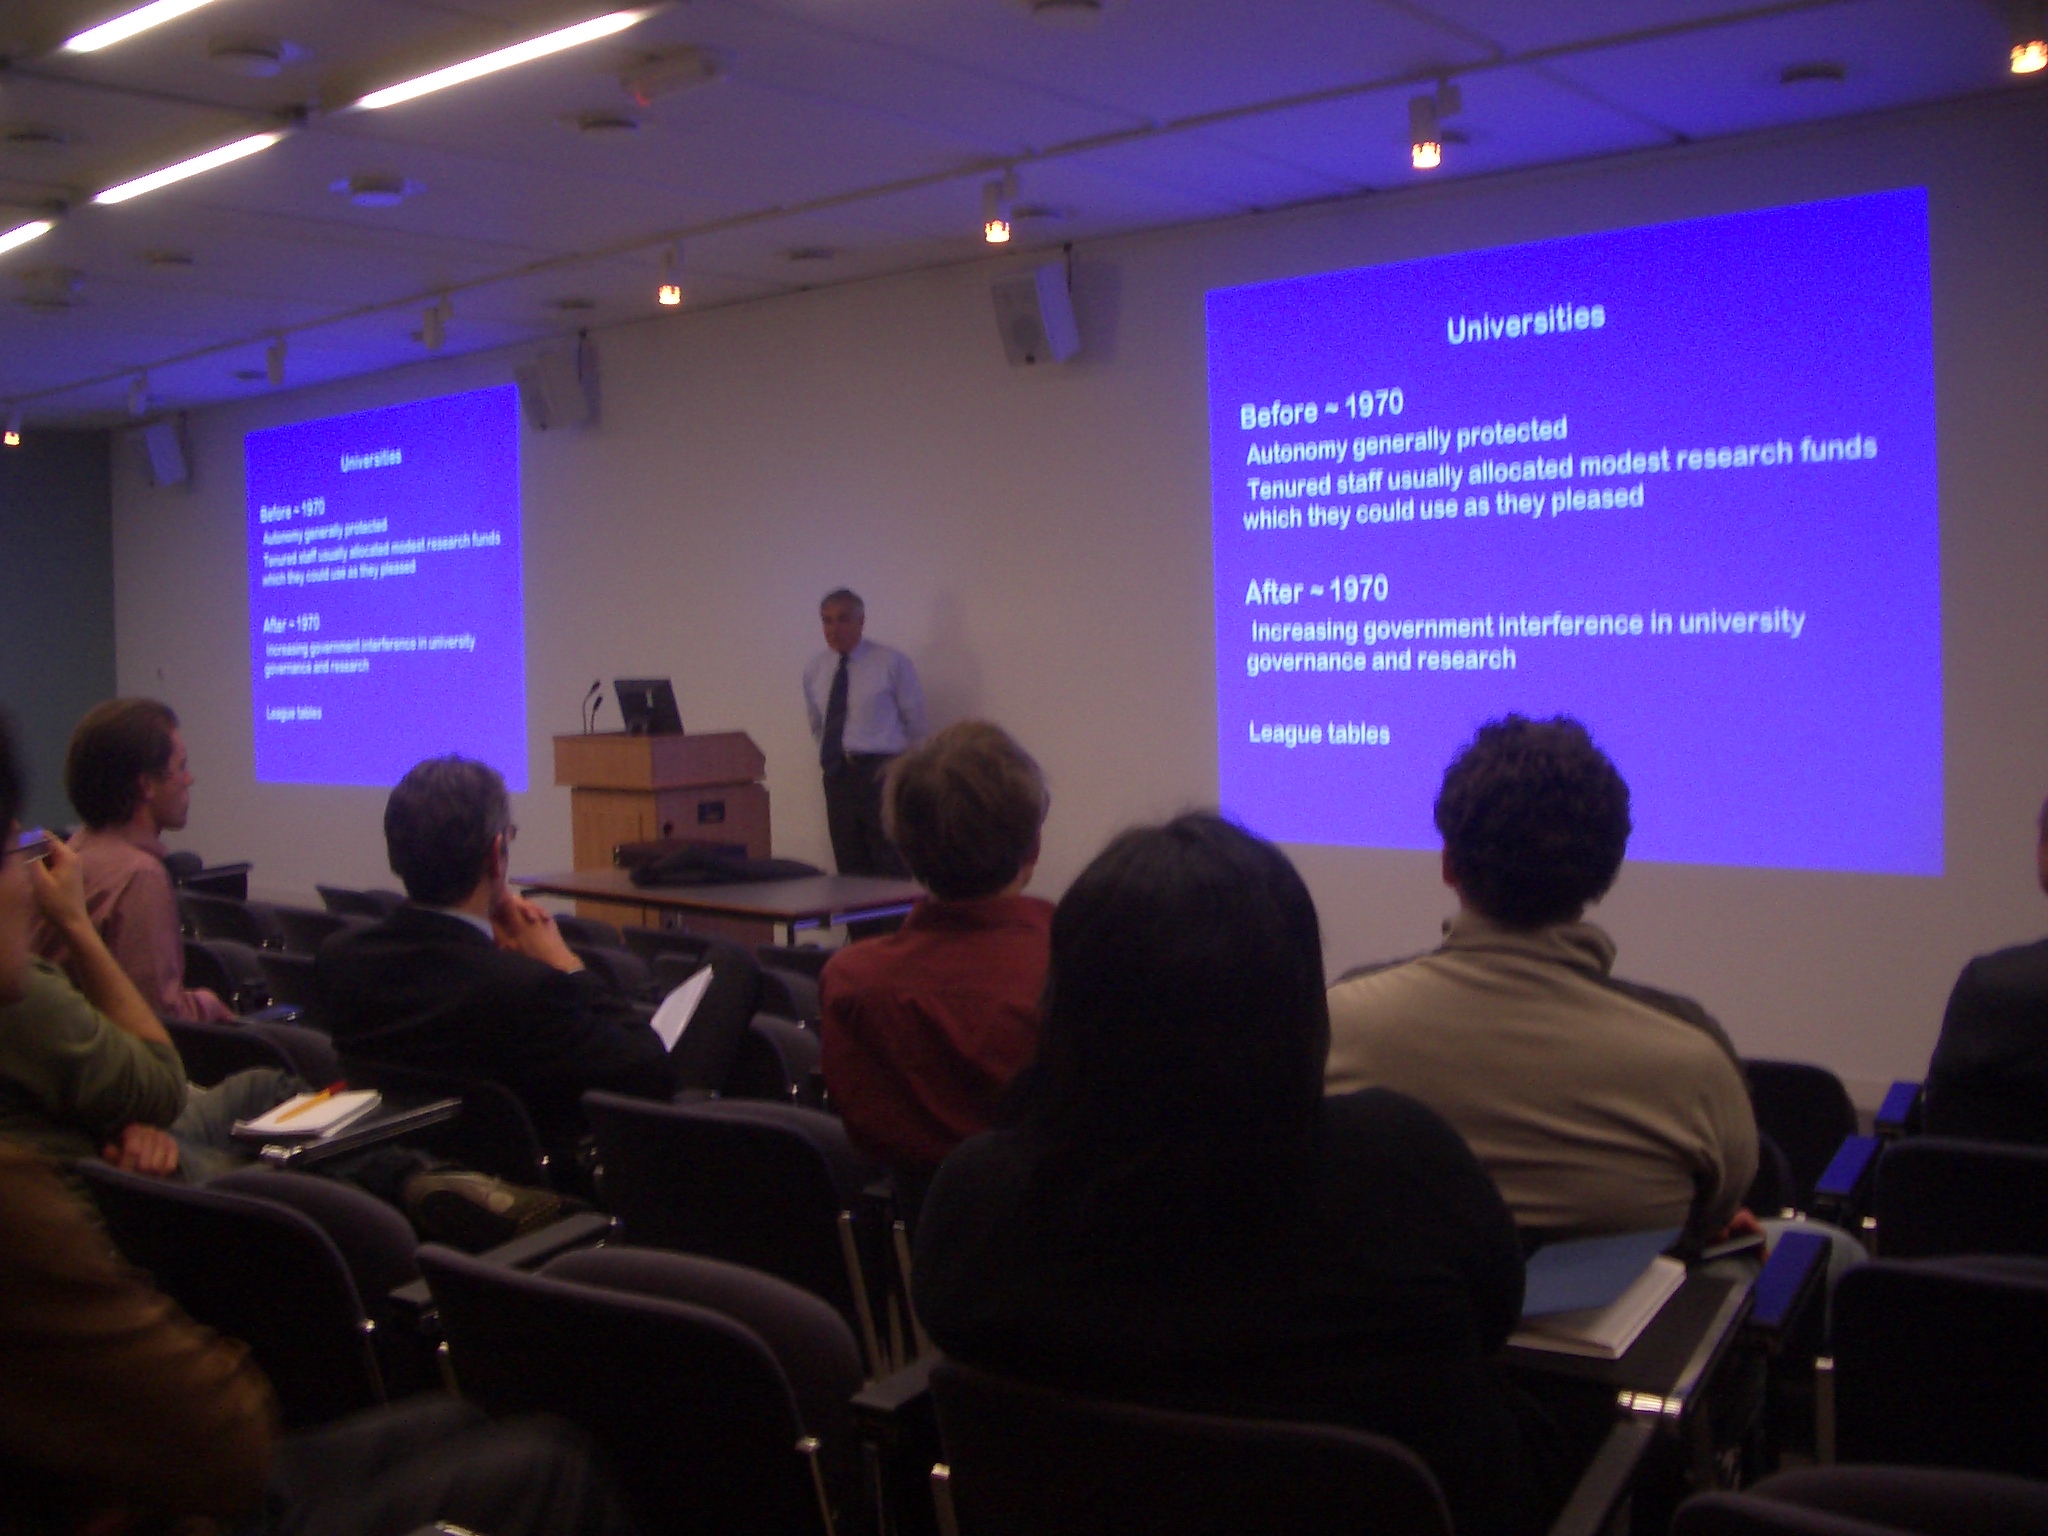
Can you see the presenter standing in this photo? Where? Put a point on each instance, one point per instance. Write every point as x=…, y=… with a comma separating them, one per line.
x=866, y=705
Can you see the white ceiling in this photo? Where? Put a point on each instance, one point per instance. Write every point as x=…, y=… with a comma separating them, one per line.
x=864, y=127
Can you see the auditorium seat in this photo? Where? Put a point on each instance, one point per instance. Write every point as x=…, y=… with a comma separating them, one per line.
x=1936, y=1196
x=493, y=1134
x=719, y=1395
x=1939, y=1362
x=1871, y=1501
x=1024, y=1460
x=1806, y=1111
x=213, y=1052
x=374, y=904
x=588, y=930
x=289, y=978
x=304, y=930
x=231, y=971
x=273, y=1270
x=222, y=917
x=771, y=1186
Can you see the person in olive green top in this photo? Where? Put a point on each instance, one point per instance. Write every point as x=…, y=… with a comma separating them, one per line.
x=88, y=1070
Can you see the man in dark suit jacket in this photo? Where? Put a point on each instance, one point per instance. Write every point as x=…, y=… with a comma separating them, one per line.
x=468, y=978
x=1989, y=1075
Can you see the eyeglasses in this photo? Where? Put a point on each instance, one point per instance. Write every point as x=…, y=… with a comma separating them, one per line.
x=509, y=832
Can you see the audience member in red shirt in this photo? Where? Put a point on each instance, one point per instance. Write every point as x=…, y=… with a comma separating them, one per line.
x=924, y=1029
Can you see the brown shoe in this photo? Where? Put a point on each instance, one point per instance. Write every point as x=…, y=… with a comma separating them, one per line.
x=475, y=1212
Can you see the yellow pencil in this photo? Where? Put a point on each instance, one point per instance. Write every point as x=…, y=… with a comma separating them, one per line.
x=319, y=1098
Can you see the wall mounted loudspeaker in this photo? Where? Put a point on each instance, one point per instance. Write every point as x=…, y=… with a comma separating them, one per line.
x=163, y=451
x=1035, y=314
x=558, y=387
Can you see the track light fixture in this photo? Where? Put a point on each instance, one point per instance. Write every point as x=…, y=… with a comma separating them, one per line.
x=2030, y=38
x=1425, y=125
x=11, y=438
x=998, y=198
x=273, y=363
x=434, y=323
x=138, y=396
x=21, y=234
x=505, y=58
x=670, y=292
x=226, y=155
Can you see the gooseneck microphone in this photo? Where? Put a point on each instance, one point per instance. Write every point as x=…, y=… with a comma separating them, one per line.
x=586, y=711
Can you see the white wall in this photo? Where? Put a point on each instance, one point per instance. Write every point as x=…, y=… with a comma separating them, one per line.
x=1038, y=541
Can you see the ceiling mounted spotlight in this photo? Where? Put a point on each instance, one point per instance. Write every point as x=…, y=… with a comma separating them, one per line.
x=138, y=396
x=1068, y=15
x=670, y=293
x=273, y=363
x=1425, y=124
x=665, y=74
x=376, y=190
x=997, y=198
x=2030, y=38
x=599, y=124
x=51, y=290
x=253, y=58
x=434, y=323
x=34, y=136
x=1821, y=73
x=12, y=437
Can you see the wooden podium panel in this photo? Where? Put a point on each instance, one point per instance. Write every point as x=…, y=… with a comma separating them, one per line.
x=615, y=760
x=633, y=789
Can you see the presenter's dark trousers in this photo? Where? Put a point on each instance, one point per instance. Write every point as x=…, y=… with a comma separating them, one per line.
x=853, y=813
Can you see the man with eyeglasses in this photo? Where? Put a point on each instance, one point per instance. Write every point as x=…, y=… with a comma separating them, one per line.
x=472, y=980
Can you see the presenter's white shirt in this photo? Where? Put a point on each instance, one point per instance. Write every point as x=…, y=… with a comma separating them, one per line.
x=884, y=699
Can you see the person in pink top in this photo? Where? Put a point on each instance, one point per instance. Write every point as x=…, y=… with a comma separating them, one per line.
x=127, y=777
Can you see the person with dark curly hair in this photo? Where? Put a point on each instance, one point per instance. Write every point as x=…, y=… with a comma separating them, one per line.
x=1598, y=1105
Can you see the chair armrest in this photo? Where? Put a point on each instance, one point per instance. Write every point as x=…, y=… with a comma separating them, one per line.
x=1604, y=1487
x=884, y=1408
x=1844, y=1186
x=1786, y=1288
x=414, y=1302
x=1899, y=1114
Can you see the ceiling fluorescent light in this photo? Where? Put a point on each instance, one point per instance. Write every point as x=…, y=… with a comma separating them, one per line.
x=21, y=234
x=226, y=155
x=505, y=58
x=121, y=28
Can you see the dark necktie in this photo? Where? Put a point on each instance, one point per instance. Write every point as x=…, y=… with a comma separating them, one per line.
x=832, y=749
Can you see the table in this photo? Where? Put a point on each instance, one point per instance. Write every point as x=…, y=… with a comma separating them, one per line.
x=816, y=901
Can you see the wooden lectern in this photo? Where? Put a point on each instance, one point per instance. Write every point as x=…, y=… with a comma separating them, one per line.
x=632, y=789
